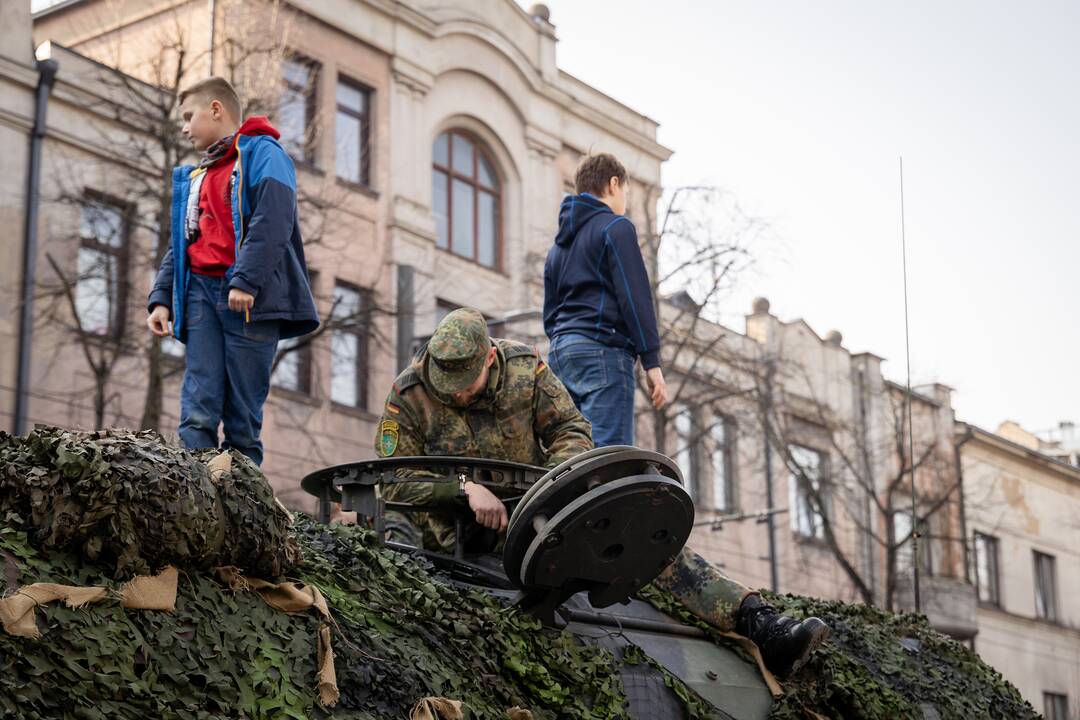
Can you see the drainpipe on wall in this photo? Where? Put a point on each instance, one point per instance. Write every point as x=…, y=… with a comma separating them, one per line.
x=46, y=77
x=871, y=482
x=774, y=571
x=213, y=23
x=406, y=315
x=968, y=435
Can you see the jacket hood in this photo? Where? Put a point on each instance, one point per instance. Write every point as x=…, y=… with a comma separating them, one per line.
x=574, y=212
x=258, y=125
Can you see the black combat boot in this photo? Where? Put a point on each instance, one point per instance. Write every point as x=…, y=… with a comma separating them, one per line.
x=785, y=643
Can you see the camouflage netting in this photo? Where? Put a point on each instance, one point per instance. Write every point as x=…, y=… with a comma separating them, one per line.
x=881, y=666
x=131, y=500
x=402, y=633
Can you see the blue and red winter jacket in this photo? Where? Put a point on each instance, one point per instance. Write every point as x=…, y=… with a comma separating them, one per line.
x=595, y=282
x=269, y=250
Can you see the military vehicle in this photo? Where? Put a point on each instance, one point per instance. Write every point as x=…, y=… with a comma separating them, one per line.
x=583, y=538
x=93, y=510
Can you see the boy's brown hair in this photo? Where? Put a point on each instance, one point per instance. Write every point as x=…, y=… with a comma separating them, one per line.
x=595, y=171
x=217, y=88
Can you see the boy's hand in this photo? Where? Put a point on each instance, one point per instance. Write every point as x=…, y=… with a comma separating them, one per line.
x=239, y=301
x=158, y=322
x=657, y=387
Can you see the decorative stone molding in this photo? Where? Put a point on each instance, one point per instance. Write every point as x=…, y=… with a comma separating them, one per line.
x=407, y=75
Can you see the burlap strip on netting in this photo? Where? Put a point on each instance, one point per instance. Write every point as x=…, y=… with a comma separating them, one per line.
x=292, y=597
x=157, y=592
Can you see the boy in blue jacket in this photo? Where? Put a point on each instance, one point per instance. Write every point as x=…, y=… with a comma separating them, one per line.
x=598, y=305
x=234, y=280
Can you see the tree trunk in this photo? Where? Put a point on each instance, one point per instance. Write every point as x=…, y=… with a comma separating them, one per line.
x=152, y=404
x=151, y=416
x=101, y=379
x=890, y=563
x=660, y=431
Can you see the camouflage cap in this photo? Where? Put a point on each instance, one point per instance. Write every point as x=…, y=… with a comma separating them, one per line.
x=457, y=350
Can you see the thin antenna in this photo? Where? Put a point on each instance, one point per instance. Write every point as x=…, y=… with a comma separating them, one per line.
x=911, y=432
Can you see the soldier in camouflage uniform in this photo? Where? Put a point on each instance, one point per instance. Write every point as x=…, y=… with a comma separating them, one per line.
x=469, y=395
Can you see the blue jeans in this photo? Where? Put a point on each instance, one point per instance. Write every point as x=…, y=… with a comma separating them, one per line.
x=227, y=376
x=600, y=379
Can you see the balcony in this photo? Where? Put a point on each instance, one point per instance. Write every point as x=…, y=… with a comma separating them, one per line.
x=949, y=603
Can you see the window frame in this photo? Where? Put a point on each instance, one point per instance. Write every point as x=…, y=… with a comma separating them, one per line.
x=904, y=555
x=365, y=129
x=117, y=303
x=795, y=491
x=361, y=331
x=304, y=353
x=479, y=148
x=994, y=568
x=311, y=96
x=690, y=448
x=720, y=420
x=1050, y=700
x=1049, y=610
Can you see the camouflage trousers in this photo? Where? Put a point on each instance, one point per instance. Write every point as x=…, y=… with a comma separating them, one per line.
x=704, y=590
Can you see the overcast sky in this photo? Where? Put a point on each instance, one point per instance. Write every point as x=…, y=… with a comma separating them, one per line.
x=802, y=109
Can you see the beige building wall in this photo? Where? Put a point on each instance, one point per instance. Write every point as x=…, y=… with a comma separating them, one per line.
x=1029, y=503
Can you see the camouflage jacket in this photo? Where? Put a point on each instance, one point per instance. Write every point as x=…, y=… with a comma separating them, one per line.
x=524, y=415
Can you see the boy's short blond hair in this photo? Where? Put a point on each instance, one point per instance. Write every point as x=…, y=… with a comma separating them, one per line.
x=215, y=88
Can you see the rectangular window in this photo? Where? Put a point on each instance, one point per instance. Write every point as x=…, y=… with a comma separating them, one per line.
x=296, y=108
x=352, y=133
x=170, y=346
x=986, y=569
x=684, y=449
x=292, y=365
x=292, y=369
x=1055, y=706
x=721, y=464
x=806, y=518
x=1045, y=586
x=348, y=346
x=101, y=282
x=905, y=544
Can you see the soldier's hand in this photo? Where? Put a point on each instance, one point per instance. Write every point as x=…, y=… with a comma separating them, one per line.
x=489, y=510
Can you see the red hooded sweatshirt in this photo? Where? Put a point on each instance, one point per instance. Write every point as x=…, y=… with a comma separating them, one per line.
x=214, y=252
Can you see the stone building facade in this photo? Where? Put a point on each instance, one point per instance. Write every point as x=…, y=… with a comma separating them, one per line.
x=437, y=140
x=1023, y=510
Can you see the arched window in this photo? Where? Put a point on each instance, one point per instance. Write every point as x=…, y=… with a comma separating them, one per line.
x=466, y=198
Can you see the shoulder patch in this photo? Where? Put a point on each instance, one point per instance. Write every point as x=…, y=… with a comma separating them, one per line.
x=388, y=437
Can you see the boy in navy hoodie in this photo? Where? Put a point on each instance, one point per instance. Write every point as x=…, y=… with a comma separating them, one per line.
x=598, y=305
x=234, y=280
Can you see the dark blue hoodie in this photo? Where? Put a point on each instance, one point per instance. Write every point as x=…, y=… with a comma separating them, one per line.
x=595, y=282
